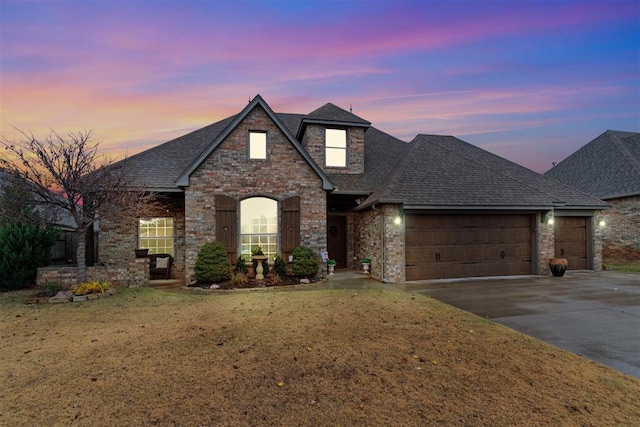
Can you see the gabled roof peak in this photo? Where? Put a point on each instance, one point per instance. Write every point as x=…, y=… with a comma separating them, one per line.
x=183, y=179
x=332, y=113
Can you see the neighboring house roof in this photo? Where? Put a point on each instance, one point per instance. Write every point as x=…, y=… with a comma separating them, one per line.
x=54, y=215
x=431, y=172
x=444, y=172
x=607, y=167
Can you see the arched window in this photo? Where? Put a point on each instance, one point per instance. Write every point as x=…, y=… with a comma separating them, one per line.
x=259, y=225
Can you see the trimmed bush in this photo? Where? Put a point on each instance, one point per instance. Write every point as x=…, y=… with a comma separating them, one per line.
x=306, y=263
x=241, y=265
x=212, y=264
x=23, y=248
x=279, y=266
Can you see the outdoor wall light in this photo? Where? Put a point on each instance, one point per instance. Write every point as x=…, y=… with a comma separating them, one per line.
x=550, y=221
x=397, y=220
x=602, y=223
x=548, y=218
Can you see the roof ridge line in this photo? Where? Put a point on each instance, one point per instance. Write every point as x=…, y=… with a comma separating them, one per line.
x=635, y=163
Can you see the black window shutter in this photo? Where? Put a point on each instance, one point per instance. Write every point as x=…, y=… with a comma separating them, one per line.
x=290, y=225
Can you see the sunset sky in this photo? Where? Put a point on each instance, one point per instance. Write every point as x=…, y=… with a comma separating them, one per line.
x=529, y=81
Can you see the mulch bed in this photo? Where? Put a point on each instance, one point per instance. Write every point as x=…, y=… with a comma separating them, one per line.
x=251, y=282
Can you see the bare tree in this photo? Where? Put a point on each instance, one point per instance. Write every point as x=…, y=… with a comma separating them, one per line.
x=68, y=173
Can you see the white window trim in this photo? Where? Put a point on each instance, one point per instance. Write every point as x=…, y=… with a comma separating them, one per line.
x=335, y=148
x=249, y=144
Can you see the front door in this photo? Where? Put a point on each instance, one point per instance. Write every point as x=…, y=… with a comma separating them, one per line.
x=337, y=240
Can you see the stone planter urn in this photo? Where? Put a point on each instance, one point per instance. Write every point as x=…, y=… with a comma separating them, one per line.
x=259, y=269
x=332, y=266
x=366, y=263
x=558, y=266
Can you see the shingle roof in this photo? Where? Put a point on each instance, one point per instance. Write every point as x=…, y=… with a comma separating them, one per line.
x=446, y=172
x=332, y=113
x=158, y=167
x=607, y=167
x=430, y=172
x=381, y=151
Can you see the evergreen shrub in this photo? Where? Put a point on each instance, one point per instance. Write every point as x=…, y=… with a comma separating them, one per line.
x=212, y=264
x=23, y=248
x=306, y=263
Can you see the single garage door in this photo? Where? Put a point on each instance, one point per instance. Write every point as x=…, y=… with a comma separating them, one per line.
x=447, y=246
x=570, y=237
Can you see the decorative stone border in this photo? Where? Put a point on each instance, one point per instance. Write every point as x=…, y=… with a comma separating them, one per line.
x=68, y=296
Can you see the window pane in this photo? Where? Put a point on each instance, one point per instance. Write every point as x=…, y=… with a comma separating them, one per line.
x=156, y=234
x=257, y=145
x=336, y=138
x=336, y=157
x=259, y=225
x=336, y=147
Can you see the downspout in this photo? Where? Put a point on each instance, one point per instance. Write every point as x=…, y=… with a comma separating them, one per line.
x=383, y=244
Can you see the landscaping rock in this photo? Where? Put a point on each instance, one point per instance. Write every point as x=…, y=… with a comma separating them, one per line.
x=62, y=296
x=79, y=298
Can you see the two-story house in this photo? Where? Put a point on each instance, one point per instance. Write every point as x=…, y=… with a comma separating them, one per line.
x=436, y=207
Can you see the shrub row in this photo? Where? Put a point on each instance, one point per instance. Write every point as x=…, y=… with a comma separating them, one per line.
x=213, y=265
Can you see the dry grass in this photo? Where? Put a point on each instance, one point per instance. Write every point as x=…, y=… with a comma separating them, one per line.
x=284, y=358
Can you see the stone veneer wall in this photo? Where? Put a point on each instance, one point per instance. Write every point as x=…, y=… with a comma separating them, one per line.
x=229, y=171
x=621, y=233
x=133, y=273
x=545, y=244
x=118, y=238
x=597, y=242
x=379, y=238
x=313, y=141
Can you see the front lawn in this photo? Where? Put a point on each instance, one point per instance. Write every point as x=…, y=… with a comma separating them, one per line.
x=283, y=358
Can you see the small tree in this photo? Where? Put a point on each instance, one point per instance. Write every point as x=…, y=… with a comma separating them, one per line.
x=212, y=264
x=66, y=172
x=306, y=262
x=23, y=248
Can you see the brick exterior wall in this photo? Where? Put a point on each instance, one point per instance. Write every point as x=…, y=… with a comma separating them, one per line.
x=313, y=142
x=229, y=171
x=133, y=273
x=379, y=238
x=544, y=244
x=597, y=242
x=621, y=233
x=118, y=238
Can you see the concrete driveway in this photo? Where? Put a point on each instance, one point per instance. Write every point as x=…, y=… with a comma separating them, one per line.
x=593, y=314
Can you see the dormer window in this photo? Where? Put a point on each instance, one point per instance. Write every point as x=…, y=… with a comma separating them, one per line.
x=257, y=145
x=336, y=148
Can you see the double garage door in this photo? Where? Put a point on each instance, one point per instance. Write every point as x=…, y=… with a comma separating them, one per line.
x=447, y=245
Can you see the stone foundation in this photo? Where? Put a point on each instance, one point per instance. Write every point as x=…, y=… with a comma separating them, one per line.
x=134, y=274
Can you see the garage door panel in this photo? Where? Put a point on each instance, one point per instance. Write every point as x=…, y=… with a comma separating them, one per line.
x=467, y=245
x=570, y=236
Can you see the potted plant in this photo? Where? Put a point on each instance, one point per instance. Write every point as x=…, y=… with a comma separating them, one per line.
x=332, y=265
x=366, y=262
x=141, y=253
x=258, y=257
x=558, y=266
